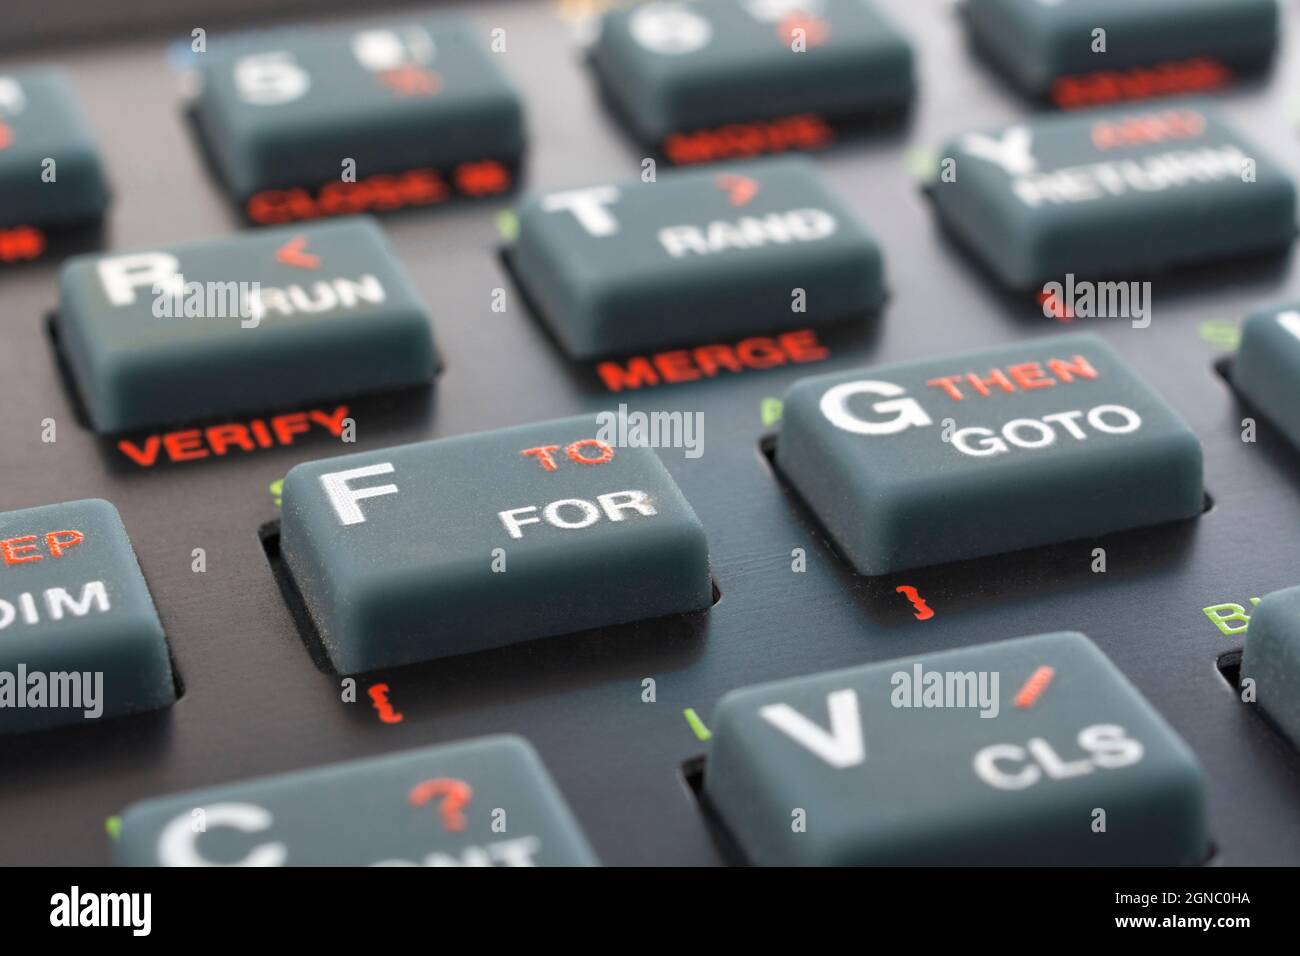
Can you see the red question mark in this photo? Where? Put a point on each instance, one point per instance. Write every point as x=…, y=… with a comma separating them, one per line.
x=455, y=794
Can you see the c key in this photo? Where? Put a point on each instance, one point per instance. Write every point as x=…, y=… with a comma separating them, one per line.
x=695, y=255
x=435, y=806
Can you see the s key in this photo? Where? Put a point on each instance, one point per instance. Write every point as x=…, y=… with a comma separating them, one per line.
x=418, y=109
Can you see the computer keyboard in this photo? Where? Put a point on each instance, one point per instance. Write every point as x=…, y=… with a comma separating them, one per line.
x=758, y=433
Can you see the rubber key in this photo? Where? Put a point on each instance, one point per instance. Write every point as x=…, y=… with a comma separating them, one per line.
x=695, y=256
x=437, y=806
x=1110, y=194
x=309, y=108
x=672, y=67
x=1271, y=659
x=80, y=639
x=1035, y=751
x=1267, y=367
x=1084, y=51
x=51, y=173
x=242, y=323
x=461, y=544
x=953, y=458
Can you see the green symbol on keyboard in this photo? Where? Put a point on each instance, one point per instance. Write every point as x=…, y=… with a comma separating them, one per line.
x=276, y=487
x=697, y=725
x=922, y=163
x=770, y=411
x=1221, y=334
x=508, y=225
x=113, y=827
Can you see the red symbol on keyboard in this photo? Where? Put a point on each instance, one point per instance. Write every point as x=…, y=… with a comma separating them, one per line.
x=1055, y=307
x=739, y=189
x=379, y=697
x=6, y=135
x=484, y=178
x=292, y=254
x=815, y=31
x=455, y=794
x=922, y=610
x=22, y=242
x=1034, y=687
x=412, y=81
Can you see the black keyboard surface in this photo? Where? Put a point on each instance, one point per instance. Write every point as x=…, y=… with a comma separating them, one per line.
x=257, y=700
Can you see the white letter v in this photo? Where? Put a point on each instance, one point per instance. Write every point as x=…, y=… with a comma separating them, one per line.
x=842, y=747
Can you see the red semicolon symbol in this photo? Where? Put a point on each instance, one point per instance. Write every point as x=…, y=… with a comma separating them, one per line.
x=922, y=611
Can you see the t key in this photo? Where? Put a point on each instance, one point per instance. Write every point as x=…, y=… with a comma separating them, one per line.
x=696, y=255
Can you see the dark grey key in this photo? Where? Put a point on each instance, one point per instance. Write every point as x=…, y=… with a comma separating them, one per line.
x=50, y=169
x=950, y=458
x=1271, y=660
x=1267, y=367
x=80, y=639
x=1054, y=46
x=1035, y=751
x=444, y=547
x=671, y=67
x=696, y=255
x=241, y=323
x=290, y=111
x=484, y=802
x=1111, y=193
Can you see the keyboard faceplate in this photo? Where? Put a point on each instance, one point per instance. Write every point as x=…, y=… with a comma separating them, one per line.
x=255, y=704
